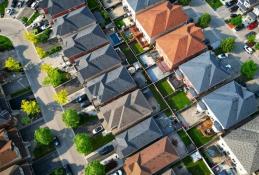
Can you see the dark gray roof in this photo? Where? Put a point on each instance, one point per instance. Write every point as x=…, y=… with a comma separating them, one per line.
x=231, y=104
x=84, y=41
x=55, y=7
x=244, y=143
x=137, y=137
x=73, y=22
x=204, y=72
x=138, y=5
x=99, y=61
x=5, y=116
x=109, y=85
x=126, y=111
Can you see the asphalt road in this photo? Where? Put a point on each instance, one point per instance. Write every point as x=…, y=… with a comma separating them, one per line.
x=44, y=94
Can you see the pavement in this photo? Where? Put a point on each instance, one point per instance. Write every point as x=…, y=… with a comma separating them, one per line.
x=51, y=111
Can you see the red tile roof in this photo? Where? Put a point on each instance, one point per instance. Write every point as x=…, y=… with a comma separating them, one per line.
x=161, y=18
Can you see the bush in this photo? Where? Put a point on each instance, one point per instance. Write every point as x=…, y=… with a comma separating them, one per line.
x=61, y=97
x=249, y=69
x=54, y=50
x=30, y=37
x=43, y=136
x=251, y=39
x=25, y=120
x=32, y=18
x=83, y=143
x=42, y=53
x=236, y=21
x=12, y=65
x=44, y=36
x=71, y=118
x=227, y=45
x=257, y=46
x=95, y=168
x=204, y=20
x=184, y=2
x=5, y=43
x=30, y=107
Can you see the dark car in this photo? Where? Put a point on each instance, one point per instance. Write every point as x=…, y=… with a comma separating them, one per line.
x=233, y=15
x=250, y=33
x=14, y=3
x=56, y=141
x=29, y=3
x=239, y=27
x=231, y=3
x=82, y=98
x=68, y=170
x=234, y=8
x=84, y=104
x=106, y=150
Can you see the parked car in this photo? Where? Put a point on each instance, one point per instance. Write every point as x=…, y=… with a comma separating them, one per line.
x=98, y=129
x=252, y=25
x=84, y=104
x=223, y=55
x=81, y=98
x=248, y=49
x=239, y=27
x=20, y=4
x=56, y=141
x=250, y=33
x=14, y=3
x=118, y=172
x=10, y=11
x=68, y=170
x=190, y=20
x=34, y=5
x=29, y=3
x=230, y=3
x=234, y=8
x=233, y=15
x=106, y=150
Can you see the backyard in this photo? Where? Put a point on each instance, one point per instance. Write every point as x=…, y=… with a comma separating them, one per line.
x=136, y=47
x=198, y=138
x=119, y=23
x=164, y=87
x=196, y=168
x=128, y=54
x=178, y=101
x=186, y=140
x=158, y=97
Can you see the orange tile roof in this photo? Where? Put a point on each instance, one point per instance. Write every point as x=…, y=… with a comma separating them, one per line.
x=7, y=154
x=182, y=43
x=161, y=18
x=151, y=159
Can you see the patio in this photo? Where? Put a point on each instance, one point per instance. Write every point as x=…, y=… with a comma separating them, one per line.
x=156, y=74
x=139, y=36
x=116, y=12
x=110, y=3
x=147, y=59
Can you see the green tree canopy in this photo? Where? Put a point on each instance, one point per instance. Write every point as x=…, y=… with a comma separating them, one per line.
x=249, y=69
x=83, y=143
x=227, y=45
x=30, y=107
x=12, y=64
x=251, y=39
x=236, y=21
x=184, y=2
x=204, y=20
x=61, y=97
x=95, y=168
x=71, y=118
x=43, y=136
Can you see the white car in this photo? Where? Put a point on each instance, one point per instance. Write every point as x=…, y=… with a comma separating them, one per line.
x=223, y=55
x=10, y=11
x=118, y=172
x=97, y=130
x=34, y=5
x=248, y=49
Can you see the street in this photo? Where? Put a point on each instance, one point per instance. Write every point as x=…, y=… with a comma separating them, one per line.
x=51, y=111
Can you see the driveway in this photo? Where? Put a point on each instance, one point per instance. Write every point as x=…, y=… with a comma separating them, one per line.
x=51, y=111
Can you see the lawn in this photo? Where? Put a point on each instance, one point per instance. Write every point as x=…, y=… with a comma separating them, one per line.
x=214, y=3
x=178, y=101
x=92, y=4
x=196, y=168
x=32, y=18
x=100, y=140
x=136, y=47
x=198, y=138
x=3, y=6
x=186, y=140
x=128, y=54
x=158, y=97
x=5, y=43
x=164, y=87
x=119, y=23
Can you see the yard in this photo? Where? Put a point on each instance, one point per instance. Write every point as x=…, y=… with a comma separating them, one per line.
x=196, y=168
x=119, y=23
x=158, y=97
x=186, y=140
x=164, y=87
x=92, y=4
x=214, y=3
x=5, y=43
x=128, y=54
x=198, y=138
x=136, y=47
x=178, y=101
x=100, y=140
x=3, y=6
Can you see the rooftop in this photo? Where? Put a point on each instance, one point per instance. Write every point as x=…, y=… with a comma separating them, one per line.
x=138, y=5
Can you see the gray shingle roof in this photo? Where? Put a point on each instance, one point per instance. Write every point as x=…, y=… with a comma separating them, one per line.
x=84, y=41
x=126, y=111
x=204, y=72
x=138, y=5
x=231, y=104
x=109, y=85
x=99, y=61
x=244, y=143
x=73, y=22
x=137, y=137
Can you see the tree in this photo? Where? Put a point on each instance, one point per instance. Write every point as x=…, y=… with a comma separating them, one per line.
x=249, y=69
x=204, y=20
x=58, y=171
x=71, y=118
x=12, y=65
x=227, y=45
x=95, y=168
x=43, y=136
x=41, y=52
x=251, y=39
x=184, y=2
x=61, y=97
x=30, y=107
x=31, y=37
x=83, y=143
x=236, y=21
x=257, y=46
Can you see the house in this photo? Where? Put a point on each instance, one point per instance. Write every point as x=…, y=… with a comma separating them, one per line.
x=181, y=45
x=151, y=159
x=73, y=22
x=135, y=6
x=137, y=137
x=109, y=86
x=83, y=42
x=242, y=145
x=245, y=5
x=23, y=169
x=162, y=19
x=6, y=119
x=125, y=111
x=57, y=8
x=96, y=63
x=229, y=105
x=202, y=73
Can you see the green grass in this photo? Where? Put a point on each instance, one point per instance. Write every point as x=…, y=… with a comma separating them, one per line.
x=186, y=140
x=119, y=23
x=136, y=47
x=178, y=101
x=3, y=6
x=164, y=87
x=196, y=168
x=21, y=92
x=158, y=97
x=5, y=43
x=92, y=4
x=129, y=55
x=198, y=138
x=214, y=3
x=100, y=140
x=33, y=17
x=41, y=150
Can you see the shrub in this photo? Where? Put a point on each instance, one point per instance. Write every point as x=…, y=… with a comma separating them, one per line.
x=257, y=46
x=251, y=39
x=95, y=168
x=24, y=20
x=32, y=18
x=30, y=107
x=227, y=45
x=204, y=20
x=249, y=69
x=54, y=50
x=61, y=97
x=43, y=136
x=5, y=43
x=25, y=120
x=12, y=65
x=83, y=143
x=30, y=37
x=44, y=36
x=71, y=118
x=42, y=53
x=236, y=21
